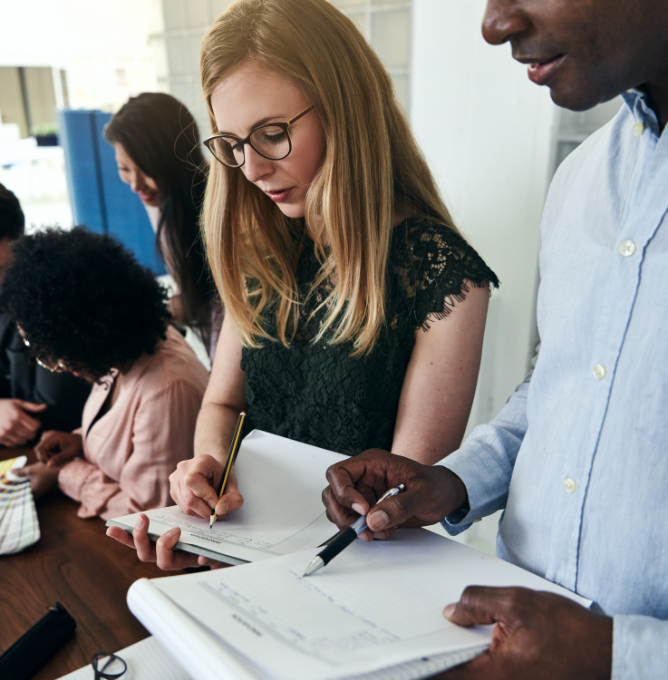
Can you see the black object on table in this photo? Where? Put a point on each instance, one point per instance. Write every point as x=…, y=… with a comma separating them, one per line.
x=33, y=649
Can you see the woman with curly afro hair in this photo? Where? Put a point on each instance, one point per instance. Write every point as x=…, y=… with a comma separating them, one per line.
x=85, y=306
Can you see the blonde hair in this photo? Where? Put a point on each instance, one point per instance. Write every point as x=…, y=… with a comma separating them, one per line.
x=372, y=171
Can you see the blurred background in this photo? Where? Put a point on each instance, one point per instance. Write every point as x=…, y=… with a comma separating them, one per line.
x=492, y=138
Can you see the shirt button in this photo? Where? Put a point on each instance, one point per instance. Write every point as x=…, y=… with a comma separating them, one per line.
x=599, y=371
x=638, y=128
x=570, y=485
x=627, y=248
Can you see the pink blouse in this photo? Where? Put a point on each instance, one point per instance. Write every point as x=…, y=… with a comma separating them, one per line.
x=131, y=450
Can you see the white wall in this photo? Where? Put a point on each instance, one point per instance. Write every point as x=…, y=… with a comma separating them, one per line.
x=103, y=46
x=487, y=134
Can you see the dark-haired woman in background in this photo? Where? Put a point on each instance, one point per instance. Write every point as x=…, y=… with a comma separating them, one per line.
x=158, y=154
x=85, y=306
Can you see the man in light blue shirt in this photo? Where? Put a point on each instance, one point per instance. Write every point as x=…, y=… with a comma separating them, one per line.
x=578, y=458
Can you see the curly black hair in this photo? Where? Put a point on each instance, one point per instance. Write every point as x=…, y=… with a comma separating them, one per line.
x=83, y=299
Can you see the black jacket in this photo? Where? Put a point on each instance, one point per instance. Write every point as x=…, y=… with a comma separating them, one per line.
x=21, y=378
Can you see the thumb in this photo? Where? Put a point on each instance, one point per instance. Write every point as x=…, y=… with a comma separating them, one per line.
x=395, y=510
x=482, y=606
x=29, y=406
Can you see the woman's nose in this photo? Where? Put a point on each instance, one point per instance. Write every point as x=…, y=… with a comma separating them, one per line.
x=256, y=167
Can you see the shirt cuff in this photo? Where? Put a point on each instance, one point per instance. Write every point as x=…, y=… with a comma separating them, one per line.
x=486, y=485
x=73, y=476
x=639, y=648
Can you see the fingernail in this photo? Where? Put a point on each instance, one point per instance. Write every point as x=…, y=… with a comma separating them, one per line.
x=358, y=508
x=449, y=611
x=223, y=509
x=108, y=530
x=172, y=532
x=380, y=520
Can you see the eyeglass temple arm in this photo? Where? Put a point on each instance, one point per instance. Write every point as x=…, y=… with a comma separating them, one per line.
x=299, y=115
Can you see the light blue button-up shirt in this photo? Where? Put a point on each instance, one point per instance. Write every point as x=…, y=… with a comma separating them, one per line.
x=578, y=458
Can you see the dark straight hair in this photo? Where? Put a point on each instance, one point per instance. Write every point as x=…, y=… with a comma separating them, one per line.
x=160, y=135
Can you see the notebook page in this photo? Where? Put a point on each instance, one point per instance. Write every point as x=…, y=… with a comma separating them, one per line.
x=375, y=605
x=146, y=660
x=281, y=481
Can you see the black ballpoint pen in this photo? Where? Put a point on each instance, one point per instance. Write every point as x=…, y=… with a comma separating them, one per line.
x=345, y=538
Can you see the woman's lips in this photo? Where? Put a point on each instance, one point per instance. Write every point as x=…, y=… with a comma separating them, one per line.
x=147, y=198
x=540, y=73
x=279, y=196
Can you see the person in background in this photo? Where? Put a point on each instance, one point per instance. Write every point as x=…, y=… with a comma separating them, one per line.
x=156, y=141
x=84, y=306
x=32, y=399
x=354, y=309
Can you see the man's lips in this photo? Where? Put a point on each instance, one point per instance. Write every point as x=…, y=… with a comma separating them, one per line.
x=540, y=70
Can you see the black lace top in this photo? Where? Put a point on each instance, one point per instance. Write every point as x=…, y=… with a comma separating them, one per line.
x=318, y=393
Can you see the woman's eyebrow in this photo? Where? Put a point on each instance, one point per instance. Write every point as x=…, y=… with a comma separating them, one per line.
x=262, y=121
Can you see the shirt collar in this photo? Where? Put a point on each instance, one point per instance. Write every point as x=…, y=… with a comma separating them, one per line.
x=636, y=100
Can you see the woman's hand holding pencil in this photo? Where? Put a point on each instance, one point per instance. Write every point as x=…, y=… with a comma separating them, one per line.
x=194, y=485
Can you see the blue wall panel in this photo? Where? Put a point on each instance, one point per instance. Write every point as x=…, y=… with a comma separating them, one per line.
x=79, y=143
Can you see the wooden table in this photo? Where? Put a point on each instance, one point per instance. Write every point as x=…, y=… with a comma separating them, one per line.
x=76, y=564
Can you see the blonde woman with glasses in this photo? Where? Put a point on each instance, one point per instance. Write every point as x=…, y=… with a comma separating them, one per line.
x=354, y=310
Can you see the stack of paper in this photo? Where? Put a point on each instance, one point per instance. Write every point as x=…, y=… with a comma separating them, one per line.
x=19, y=527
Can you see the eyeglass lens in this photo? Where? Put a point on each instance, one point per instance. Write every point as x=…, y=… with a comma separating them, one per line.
x=271, y=141
x=108, y=666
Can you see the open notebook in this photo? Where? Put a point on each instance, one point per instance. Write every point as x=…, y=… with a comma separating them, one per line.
x=281, y=481
x=374, y=612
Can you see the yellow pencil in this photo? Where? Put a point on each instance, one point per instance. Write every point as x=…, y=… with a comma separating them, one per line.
x=234, y=449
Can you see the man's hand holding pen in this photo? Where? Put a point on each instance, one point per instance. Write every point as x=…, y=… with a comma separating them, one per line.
x=356, y=484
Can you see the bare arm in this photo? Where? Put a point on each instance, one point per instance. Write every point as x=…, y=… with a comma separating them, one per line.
x=223, y=400
x=440, y=382
x=194, y=482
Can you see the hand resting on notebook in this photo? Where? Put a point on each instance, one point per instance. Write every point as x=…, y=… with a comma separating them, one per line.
x=162, y=551
x=192, y=486
x=537, y=635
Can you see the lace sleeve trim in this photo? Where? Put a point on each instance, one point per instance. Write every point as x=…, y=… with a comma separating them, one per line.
x=435, y=268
